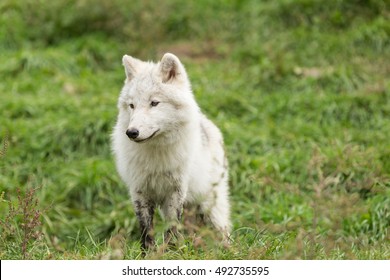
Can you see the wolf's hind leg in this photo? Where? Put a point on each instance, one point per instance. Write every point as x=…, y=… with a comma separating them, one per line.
x=217, y=209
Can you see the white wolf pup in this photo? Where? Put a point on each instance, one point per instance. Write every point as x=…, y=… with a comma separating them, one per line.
x=167, y=152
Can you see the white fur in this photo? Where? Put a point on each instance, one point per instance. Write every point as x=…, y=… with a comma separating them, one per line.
x=184, y=162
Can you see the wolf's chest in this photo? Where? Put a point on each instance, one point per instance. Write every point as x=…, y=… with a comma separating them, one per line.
x=161, y=185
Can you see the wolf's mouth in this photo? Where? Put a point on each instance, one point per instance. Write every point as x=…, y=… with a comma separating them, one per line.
x=145, y=139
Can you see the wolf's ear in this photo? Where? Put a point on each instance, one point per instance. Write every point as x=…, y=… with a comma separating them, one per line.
x=171, y=68
x=131, y=65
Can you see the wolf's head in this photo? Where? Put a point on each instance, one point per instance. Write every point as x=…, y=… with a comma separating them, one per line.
x=156, y=101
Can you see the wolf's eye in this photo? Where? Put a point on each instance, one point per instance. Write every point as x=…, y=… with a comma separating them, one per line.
x=131, y=105
x=154, y=103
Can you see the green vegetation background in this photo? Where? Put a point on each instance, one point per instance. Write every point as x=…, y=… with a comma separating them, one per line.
x=300, y=90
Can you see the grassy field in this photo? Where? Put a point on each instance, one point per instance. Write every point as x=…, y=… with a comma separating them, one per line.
x=300, y=90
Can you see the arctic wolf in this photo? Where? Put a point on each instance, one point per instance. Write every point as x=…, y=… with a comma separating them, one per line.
x=167, y=152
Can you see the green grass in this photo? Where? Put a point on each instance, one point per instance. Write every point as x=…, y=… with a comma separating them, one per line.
x=300, y=90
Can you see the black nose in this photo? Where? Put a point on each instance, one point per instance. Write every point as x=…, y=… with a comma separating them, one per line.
x=132, y=133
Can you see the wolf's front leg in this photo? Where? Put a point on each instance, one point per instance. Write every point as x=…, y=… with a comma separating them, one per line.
x=172, y=210
x=144, y=209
